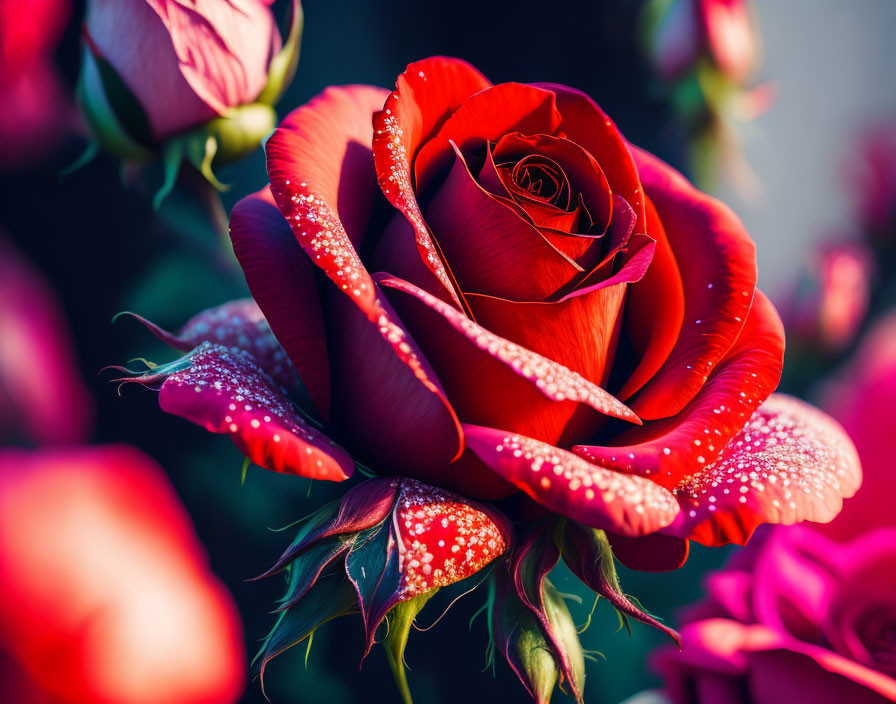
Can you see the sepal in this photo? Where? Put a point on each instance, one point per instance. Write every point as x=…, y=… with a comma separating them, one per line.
x=398, y=541
x=588, y=554
x=283, y=66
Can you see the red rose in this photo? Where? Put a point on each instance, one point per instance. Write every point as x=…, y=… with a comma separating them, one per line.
x=550, y=309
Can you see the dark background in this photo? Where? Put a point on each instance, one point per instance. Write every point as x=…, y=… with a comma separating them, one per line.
x=105, y=250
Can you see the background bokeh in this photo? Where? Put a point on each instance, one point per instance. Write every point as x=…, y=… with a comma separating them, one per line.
x=105, y=250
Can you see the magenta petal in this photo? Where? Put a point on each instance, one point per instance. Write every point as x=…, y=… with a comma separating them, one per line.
x=281, y=280
x=790, y=463
x=238, y=324
x=561, y=481
x=224, y=391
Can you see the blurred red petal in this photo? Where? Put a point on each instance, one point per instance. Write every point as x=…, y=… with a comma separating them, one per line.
x=105, y=592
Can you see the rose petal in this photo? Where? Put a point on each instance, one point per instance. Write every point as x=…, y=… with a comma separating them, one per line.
x=224, y=391
x=593, y=495
x=322, y=179
x=42, y=396
x=552, y=379
x=424, y=96
x=790, y=463
x=443, y=537
x=717, y=261
x=654, y=310
x=656, y=552
x=492, y=249
x=587, y=125
x=281, y=280
x=383, y=414
x=486, y=116
x=239, y=324
x=223, y=49
x=669, y=450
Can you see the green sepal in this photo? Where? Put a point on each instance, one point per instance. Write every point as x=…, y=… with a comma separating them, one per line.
x=401, y=618
x=372, y=566
x=91, y=151
x=308, y=566
x=283, y=66
x=523, y=643
x=566, y=634
x=115, y=116
x=331, y=596
x=172, y=158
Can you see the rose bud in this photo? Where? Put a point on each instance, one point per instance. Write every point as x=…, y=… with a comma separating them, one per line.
x=36, y=110
x=794, y=617
x=830, y=303
x=678, y=33
x=873, y=177
x=195, y=81
x=43, y=399
x=384, y=549
x=548, y=313
x=105, y=591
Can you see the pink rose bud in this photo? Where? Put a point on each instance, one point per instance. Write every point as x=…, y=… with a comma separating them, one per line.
x=676, y=33
x=831, y=301
x=205, y=71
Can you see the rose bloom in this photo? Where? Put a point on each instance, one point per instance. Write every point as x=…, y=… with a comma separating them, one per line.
x=42, y=397
x=36, y=109
x=793, y=618
x=486, y=289
x=677, y=33
x=826, y=309
x=105, y=592
x=545, y=308
x=185, y=62
x=862, y=396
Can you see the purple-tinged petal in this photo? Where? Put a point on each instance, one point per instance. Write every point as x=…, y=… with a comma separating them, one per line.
x=238, y=324
x=281, y=280
x=225, y=391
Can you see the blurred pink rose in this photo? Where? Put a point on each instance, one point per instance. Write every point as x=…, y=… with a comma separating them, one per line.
x=35, y=106
x=678, y=32
x=874, y=179
x=186, y=61
x=829, y=304
x=793, y=618
x=863, y=398
x=42, y=397
x=105, y=592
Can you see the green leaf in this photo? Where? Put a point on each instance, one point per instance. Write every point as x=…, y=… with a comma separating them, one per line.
x=401, y=617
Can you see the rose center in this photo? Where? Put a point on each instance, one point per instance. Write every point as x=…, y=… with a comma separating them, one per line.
x=540, y=178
